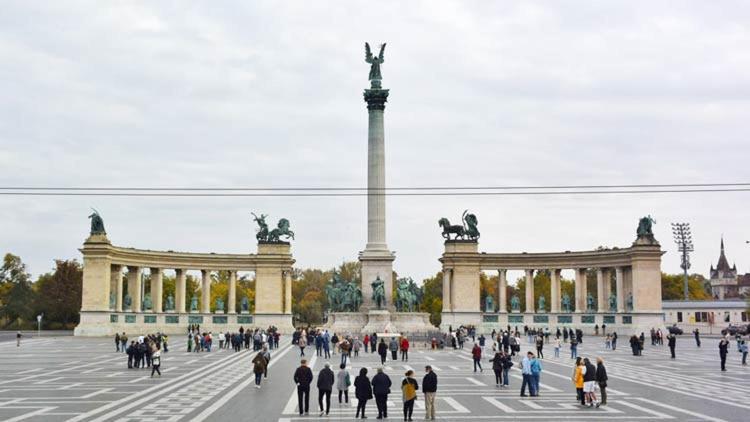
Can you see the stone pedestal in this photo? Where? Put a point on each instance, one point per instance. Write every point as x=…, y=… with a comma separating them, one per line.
x=376, y=264
x=380, y=321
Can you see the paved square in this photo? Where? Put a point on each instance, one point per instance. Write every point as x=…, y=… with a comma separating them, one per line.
x=84, y=379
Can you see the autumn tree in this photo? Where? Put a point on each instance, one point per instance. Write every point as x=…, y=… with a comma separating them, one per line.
x=16, y=294
x=58, y=294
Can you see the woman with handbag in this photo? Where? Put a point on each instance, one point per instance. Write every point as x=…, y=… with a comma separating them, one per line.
x=409, y=389
x=343, y=381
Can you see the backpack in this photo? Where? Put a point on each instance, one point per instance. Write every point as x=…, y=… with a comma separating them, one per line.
x=409, y=391
x=347, y=380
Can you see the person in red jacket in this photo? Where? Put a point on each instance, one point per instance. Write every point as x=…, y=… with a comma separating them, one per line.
x=476, y=353
x=404, y=349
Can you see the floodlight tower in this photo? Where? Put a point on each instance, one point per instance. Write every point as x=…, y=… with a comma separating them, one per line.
x=684, y=241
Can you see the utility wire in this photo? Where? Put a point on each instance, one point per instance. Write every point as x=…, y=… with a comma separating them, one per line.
x=380, y=193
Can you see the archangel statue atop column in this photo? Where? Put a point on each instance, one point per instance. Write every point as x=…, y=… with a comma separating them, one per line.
x=375, y=77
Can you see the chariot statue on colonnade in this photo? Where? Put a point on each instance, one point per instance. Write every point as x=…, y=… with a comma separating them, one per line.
x=467, y=230
x=97, y=223
x=274, y=235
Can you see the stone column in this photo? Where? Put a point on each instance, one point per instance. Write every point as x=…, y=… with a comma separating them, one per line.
x=117, y=278
x=288, y=292
x=232, y=299
x=554, y=303
x=607, y=287
x=601, y=301
x=206, y=291
x=530, y=291
x=179, y=286
x=580, y=296
x=447, y=306
x=376, y=99
x=502, y=289
x=157, y=287
x=134, y=288
x=620, y=289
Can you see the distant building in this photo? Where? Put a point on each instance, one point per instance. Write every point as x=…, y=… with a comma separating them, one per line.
x=725, y=284
x=705, y=313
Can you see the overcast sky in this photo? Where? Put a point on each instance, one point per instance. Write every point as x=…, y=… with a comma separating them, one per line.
x=269, y=94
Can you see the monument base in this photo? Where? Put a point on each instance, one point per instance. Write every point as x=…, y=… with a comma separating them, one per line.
x=283, y=322
x=380, y=321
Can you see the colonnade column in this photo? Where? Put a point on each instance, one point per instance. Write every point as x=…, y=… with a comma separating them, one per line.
x=580, y=294
x=206, y=291
x=620, y=289
x=288, y=292
x=232, y=299
x=116, y=274
x=156, y=289
x=529, y=291
x=554, y=291
x=134, y=288
x=601, y=301
x=179, y=286
x=447, y=305
x=502, y=289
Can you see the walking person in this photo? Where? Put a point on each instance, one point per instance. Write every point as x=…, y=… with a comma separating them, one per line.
x=303, y=377
x=536, y=373
x=429, y=388
x=381, y=387
x=302, y=343
x=117, y=342
x=540, y=346
x=558, y=345
x=497, y=367
x=476, y=353
x=697, y=336
x=325, y=387
x=405, y=349
x=267, y=356
x=343, y=381
x=723, y=350
x=578, y=381
x=393, y=347
x=573, y=347
x=672, y=342
x=259, y=367
x=507, y=364
x=601, y=379
x=382, y=351
x=743, y=350
x=589, y=383
x=409, y=389
x=156, y=362
x=362, y=391
x=18, y=339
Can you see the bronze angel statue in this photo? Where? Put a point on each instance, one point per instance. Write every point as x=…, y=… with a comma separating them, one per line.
x=375, y=62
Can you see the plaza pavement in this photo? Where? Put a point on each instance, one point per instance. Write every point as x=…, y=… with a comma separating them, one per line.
x=84, y=379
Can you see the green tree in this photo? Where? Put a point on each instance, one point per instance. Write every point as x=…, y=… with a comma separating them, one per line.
x=58, y=294
x=672, y=287
x=432, y=301
x=15, y=287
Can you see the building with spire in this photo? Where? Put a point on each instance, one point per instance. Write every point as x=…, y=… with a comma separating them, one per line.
x=724, y=281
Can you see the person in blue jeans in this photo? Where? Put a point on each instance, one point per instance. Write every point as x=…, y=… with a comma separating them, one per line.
x=536, y=371
x=526, y=375
x=573, y=348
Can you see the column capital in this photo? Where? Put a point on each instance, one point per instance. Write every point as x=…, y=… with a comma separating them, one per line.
x=376, y=98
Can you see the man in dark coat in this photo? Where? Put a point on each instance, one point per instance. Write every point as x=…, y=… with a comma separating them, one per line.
x=381, y=387
x=672, y=342
x=723, y=350
x=601, y=379
x=382, y=351
x=429, y=388
x=325, y=386
x=303, y=377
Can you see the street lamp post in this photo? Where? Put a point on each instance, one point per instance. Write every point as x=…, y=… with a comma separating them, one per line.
x=684, y=241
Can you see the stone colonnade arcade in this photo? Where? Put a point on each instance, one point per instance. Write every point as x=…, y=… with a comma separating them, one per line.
x=635, y=300
x=104, y=263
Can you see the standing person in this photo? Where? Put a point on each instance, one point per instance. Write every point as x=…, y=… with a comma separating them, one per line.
x=672, y=342
x=302, y=343
x=539, y=346
x=381, y=387
x=343, y=381
x=18, y=339
x=536, y=373
x=382, y=351
x=325, y=387
x=123, y=342
x=373, y=342
x=634, y=344
x=117, y=342
x=697, y=335
x=259, y=367
x=723, y=350
x=507, y=364
x=578, y=380
x=429, y=388
x=497, y=367
x=405, y=350
x=409, y=389
x=366, y=342
x=526, y=374
x=393, y=347
x=601, y=379
x=476, y=353
x=156, y=362
x=743, y=350
x=558, y=345
x=573, y=347
x=303, y=377
x=589, y=382
x=614, y=340
x=345, y=347
x=363, y=391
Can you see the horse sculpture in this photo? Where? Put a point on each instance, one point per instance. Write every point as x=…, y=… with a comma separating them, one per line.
x=282, y=229
x=468, y=229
